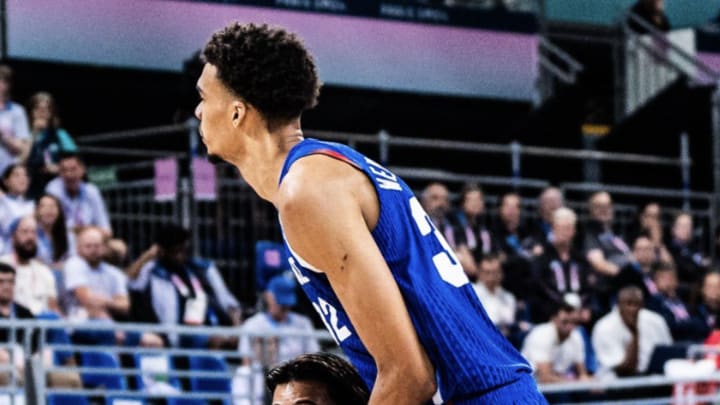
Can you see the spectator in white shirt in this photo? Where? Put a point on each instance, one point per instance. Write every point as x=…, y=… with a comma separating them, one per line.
x=625, y=338
x=82, y=202
x=14, y=129
x=556, y=349
x=499, y=304
x=35, y=286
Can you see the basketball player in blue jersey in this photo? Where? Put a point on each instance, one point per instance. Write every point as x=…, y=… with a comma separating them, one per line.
x=384, y=280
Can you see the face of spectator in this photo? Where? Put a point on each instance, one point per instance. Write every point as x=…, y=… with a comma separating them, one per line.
x=41, y=114
x=7, y=288
x=18, y=181
x=177, y=255
x=47, y=211
x=682, y=228
x=650, y=215
x=510, y=211
x=644, y=252
x=72, y=172
x=25, y=238
x=435, y=200
x=490, y=273
x=711, y=291
x=630, y=302
x=666, y=282
x=601, y=208
x=91, y=246
x=565, y=322
x=473, y=205
x=305, y=392
x=550, y=200
x=277, y=312
x=563, y=232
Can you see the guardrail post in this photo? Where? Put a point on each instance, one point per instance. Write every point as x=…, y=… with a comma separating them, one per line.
x=34, y=381
x=685, y=169
x=384, y=145
x=515, y=150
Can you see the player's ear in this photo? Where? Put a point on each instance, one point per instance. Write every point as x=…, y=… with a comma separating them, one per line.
x=239, y=109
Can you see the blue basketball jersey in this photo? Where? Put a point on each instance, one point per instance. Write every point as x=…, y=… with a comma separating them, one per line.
x=469, y=354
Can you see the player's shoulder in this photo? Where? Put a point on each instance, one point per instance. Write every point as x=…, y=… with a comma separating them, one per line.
x=317, y=180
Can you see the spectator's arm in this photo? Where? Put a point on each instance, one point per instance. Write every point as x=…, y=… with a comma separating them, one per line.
x=599, y=263
x=133, y=270
x=545, y=373
x=582, y=373
x=223, y=294
x=16, y=147
x=119, y=304
x=628, y=366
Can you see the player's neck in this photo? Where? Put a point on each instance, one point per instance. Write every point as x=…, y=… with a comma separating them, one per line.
x=265, y=158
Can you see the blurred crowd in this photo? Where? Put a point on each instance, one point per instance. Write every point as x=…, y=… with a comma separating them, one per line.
x=582, y=299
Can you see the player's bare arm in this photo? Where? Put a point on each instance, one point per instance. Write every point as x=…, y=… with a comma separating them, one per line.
x=327, y=210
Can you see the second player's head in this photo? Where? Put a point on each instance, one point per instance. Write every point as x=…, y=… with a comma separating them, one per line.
x=255, y=78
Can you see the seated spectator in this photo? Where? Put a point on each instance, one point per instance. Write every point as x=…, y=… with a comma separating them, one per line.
x=50, y=141
x=470, y=224
x=54, y=240
x=279, y=298
x=97, y=290
x=171, y=287
x=550, y=199
x=13, y=203
x=561, y=271
x=649, y=224
x=35, y=286
x=499, y=304
x=14, y=130
x=606, y=251
x=516, y=251
x=691, y=261
x=683, y=325
x=556, y=349
x=625, y=338
x=436, y=203
x=81, y=201
x=652, y=12
x=639, y=271
x=11, y=309
x=318, y=378
x=709, y=308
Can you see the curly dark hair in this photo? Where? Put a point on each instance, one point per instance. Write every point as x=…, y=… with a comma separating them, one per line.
x=267, y=67
x=342, y=381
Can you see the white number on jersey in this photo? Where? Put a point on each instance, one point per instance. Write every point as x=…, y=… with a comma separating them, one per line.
x=446, y=263
x=326, y=310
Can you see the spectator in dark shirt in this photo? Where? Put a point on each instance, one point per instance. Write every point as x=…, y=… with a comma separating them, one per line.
x=709, y=308
x=606, y=251
x=470, y=223
x=9, y=309
x=652, y=12
x=515, y=248
x=683, y=325
x=560, y=270
x=436, y=203
x=691, y=262
x=550, y=199
x=639, y=272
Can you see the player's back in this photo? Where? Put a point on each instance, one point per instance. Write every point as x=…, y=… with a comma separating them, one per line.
x=470, y=356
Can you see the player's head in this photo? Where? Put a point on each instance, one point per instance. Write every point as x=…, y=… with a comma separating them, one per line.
x=256, y=78
x=319, y=379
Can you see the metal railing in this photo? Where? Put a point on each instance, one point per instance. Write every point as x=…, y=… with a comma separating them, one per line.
x=240, y=382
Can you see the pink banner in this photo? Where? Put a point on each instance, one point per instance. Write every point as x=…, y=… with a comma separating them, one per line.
x=203, y=174
x=166, y=174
